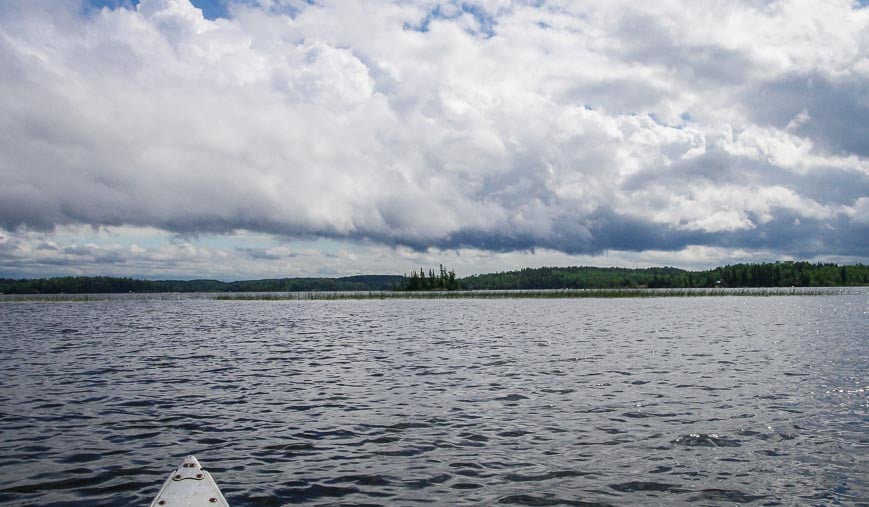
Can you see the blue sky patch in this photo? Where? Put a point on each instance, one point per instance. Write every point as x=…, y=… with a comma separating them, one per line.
x=211, y=9
x=485, y=20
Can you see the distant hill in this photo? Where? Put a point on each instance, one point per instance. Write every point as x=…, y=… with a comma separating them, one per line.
x=775, y=274
x=574, y=278
x=347, y=283
x=107, y=285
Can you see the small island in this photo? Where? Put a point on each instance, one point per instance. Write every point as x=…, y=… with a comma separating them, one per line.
x=436, y=281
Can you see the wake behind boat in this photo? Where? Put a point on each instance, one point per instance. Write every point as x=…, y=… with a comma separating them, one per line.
x=190, y=486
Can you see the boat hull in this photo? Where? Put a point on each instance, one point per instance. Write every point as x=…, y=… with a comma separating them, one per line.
x=190, y=486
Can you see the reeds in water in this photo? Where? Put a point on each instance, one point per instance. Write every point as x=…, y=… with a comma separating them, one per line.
x=546, y=294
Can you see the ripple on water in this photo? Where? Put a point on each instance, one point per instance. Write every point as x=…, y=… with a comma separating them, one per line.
x=479, y=402
x=706, y=440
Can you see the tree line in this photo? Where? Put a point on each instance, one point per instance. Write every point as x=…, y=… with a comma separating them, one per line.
x=109, y=285
x=440, y=280
x=775, y=274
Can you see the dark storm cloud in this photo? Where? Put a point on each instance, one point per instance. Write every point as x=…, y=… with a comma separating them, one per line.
x=838, y=111
x=605, y=230
x=806, y=239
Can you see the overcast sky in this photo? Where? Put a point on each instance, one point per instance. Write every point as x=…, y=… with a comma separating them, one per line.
x=268, y=138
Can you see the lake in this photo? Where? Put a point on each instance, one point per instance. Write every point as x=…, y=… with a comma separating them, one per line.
x=708, y=400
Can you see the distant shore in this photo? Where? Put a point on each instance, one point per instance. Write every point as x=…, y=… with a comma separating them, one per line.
x=611, y=282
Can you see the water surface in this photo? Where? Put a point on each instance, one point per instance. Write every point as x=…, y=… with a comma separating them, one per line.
x=707, y=401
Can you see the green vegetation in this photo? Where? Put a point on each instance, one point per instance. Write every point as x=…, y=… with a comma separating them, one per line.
x=778, y=274
x=108, y=285
x=442, y=280
x=573, y=278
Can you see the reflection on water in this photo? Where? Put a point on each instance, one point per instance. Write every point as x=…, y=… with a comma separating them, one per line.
x=474, y=402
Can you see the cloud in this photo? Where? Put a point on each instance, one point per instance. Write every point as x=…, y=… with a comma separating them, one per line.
x=147, y=253
x=577, y=127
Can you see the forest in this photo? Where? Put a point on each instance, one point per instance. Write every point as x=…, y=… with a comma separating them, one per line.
x=775, y=274
x=109, y=285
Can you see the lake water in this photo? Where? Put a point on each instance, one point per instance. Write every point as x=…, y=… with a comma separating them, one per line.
x=708, y=400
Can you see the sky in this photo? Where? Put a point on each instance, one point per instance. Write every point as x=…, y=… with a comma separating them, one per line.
x=239, y=139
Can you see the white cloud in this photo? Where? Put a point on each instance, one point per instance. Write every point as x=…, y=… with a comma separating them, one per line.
x=76, y=251
x=503, y=126
x=859, y=212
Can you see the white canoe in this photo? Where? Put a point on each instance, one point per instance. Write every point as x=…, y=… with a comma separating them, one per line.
x=190, y=486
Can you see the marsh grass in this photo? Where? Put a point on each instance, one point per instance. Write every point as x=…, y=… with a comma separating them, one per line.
x=544, y=294
x=462, y=294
